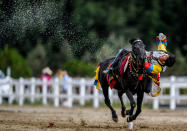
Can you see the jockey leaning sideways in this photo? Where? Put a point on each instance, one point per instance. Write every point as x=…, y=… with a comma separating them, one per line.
x=157, y=61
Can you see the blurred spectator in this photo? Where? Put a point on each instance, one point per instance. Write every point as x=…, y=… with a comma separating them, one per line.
x=60, y=75
x=65, y=81
x=63, y=78
x=2, y=76
x=47, y=73
x=5, y=87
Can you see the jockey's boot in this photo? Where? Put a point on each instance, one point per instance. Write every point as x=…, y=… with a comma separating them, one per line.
x=108, y=70
x=115, y=61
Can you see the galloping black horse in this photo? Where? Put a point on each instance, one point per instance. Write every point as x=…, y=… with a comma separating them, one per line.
x=128, y=82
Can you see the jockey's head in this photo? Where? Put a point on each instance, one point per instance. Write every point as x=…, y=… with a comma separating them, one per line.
x=168, y=60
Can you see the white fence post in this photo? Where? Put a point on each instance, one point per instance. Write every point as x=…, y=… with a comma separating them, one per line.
x=70, y=99
x=96, y=98
x=17, y=91
x=21, y=91
x=11, y=95
x=156, y=103
x=172, y=93
x=44, y=91
x=82, y=92
x=56, y=92
x=33, y=80
x=1, y=99
x=177, y=94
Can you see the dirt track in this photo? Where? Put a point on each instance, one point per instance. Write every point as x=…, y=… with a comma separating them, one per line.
x=38, y=118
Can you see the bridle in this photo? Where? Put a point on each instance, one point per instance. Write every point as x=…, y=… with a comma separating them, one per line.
x=135, y=67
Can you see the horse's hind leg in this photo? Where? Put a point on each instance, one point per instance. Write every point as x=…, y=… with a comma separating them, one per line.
x=132, y=102
x=107, y=102
x=123, y=108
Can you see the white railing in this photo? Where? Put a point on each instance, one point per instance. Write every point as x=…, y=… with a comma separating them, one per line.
x=81, y=90
x=174, y=86
x=19, y=89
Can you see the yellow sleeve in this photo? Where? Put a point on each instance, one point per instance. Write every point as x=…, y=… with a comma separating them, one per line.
x=157, y=69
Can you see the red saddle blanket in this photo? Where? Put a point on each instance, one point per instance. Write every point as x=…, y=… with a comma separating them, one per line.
x=110, y=79
x=123, y=63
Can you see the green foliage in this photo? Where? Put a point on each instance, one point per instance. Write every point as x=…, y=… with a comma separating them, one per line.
x=88, y=27
x=104, y=52
x=111, y=47
x=58, y=54
x=79, y=68
x=11, y=58
x=37, y=59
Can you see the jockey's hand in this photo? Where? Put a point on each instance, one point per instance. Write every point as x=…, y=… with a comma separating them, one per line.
x=162, y=36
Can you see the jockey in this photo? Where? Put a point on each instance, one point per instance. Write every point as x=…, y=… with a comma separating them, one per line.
x=157, y=62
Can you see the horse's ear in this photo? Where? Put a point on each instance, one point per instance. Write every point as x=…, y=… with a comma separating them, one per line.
x=134, y=40
x=131, y=41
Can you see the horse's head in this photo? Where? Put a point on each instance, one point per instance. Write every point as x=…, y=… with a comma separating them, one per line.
x=138, y=52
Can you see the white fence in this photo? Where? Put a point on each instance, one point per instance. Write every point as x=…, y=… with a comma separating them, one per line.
x=81, y=90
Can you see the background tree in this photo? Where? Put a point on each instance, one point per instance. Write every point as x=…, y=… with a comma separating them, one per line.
x=37, y=59
x=85, y=26
x=11, y=58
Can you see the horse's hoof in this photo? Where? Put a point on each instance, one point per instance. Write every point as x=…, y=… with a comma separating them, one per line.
x=123, y=114
x=115, y=119
x=129, y=119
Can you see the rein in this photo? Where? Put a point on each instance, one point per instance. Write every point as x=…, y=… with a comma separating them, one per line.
x=134, y=71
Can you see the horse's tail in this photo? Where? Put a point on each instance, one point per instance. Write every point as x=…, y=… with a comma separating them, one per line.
x=96, y=82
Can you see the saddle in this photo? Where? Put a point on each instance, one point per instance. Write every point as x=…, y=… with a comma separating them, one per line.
x=112, y=78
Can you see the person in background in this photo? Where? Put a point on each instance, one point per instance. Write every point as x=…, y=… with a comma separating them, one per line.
x=60, y=76
x=47, y=74
x=2, y=76
x=65, y=81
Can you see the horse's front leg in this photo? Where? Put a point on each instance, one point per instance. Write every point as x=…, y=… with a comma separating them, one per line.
x=107, y=102
x=132, y=102
x=123, y=108
x=140, y=96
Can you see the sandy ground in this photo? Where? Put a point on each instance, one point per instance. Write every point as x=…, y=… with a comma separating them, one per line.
x=87, y=119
